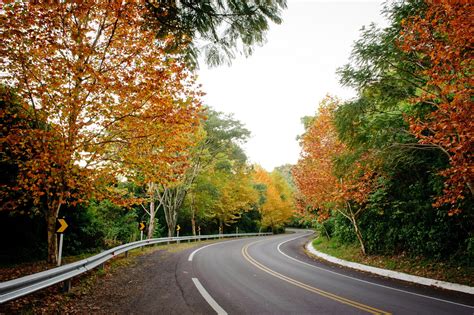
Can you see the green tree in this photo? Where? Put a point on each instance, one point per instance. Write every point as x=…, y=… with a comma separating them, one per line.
x=218, y=29
x=221, y=136
x=399, y=215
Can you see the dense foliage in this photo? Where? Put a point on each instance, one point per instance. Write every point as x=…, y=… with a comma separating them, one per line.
x=102, y=121
x=404, y=143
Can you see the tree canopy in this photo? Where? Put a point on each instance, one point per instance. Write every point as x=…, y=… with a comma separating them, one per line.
x=392, y=167
x=96, y=81
x=217, y=29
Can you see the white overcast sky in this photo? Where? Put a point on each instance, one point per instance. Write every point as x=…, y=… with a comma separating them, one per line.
x=286, y=78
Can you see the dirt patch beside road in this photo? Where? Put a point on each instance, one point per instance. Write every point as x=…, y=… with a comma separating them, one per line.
x=142, y=283
x=147, y=286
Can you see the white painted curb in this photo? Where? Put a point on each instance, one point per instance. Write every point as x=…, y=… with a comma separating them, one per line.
x=390, y=273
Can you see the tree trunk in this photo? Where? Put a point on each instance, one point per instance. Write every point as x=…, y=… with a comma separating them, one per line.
x=51, y=216
x=172, y=198
x=193, y=216
x=326, y=231
x=52, y=239
x=170, y=231
x=359, y=235
x=353, y=218
x=171, y=223
x=151, y=225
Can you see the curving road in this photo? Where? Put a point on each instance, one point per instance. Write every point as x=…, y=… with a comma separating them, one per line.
x=272, y=275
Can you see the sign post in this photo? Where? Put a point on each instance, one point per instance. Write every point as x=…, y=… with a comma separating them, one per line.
x=177, y=231
x=61, y=226
x=141, y=227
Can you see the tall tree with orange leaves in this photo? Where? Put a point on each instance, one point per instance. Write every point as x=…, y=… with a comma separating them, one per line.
x=97, y=81
x=314, y=173
x=316, y=176
x=442, y=40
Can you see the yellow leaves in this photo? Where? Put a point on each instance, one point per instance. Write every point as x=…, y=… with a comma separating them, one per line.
x=228, y=199
x=278, y=206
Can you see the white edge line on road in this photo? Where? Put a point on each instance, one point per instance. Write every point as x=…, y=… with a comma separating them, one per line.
x=364, y=281
x=219, y=310
x=191, y=256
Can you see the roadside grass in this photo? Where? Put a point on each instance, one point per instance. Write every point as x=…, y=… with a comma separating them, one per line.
x=419, y=266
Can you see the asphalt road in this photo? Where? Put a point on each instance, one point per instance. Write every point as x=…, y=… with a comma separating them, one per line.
x=273, y=275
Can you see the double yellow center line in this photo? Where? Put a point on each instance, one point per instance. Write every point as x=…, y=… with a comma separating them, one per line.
x=329, y=295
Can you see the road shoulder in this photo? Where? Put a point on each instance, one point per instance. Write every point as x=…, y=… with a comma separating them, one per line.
x=389, y=273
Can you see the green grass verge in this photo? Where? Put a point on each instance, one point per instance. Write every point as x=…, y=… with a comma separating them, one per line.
x=418, y=266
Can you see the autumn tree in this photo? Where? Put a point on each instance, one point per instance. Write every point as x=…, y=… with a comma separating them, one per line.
x=158, y=149
x=441, y=40
x=277, y=206
x=234, y=194
x=314, y=173
x=90, y=73
x=317, y=177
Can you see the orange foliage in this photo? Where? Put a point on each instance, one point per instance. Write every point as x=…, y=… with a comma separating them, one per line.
x=443, y=38
x=314, y=173
x=360, y=182
x=101, y=93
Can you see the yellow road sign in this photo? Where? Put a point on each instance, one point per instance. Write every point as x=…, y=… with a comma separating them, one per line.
x=141, y=226
x=178, y=228
x=61, y=225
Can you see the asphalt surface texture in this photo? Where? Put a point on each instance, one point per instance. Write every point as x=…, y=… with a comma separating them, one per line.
x=259, y=275
x=273, y=275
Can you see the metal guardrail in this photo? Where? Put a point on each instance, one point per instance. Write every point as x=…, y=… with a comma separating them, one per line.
x=12, y=289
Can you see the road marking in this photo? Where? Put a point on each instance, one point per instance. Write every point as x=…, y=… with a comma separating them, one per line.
x=216, y=307
x=191, y=256
x=364, y=281
x=302, y=285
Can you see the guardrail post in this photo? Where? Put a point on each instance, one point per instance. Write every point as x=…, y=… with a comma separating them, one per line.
x=67, y=285
x=126, y=254
x=102, y=266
